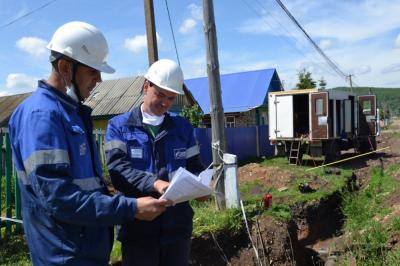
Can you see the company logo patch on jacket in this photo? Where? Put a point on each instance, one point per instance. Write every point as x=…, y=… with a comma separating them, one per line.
x=137, y=153
x=180, y=154
x=82, y=149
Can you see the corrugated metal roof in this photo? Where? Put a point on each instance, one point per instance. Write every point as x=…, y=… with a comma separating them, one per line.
x=112, y=97
x=240, y=92
x=8, y=105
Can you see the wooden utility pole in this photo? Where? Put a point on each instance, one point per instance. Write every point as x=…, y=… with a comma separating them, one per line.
x=150, y=31
x=351, y=83
x=217, y=112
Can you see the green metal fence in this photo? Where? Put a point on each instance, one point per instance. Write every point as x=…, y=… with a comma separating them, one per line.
x=10, y=200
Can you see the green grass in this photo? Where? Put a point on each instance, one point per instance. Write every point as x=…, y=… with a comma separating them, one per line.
x=396, y=224
x=116, y=254
x=367, y=242
x=14, y=251
x=3, y=194
x=207, y=219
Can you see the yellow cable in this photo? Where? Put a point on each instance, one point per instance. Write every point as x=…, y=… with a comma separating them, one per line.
x=347, y=159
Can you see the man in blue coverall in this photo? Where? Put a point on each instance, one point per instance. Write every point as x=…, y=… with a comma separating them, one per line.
x=67, y=211
x=144, y=148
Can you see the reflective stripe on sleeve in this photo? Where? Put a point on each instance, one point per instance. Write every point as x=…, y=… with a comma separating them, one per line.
x=22, y=176
x=192, y=151
x=56, y=156
x=115, y=144
x=90, y=183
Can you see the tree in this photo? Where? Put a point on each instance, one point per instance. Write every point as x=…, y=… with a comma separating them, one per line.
x=194, y=114
x=305, y=81
x=322, y=83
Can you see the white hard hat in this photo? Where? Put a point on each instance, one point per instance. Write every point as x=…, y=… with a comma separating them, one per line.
x=82, y=42
x=167, y=75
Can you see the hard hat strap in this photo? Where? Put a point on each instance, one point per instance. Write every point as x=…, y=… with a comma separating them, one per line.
x=74, y=70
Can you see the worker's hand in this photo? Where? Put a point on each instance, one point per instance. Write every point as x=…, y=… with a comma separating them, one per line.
x=161, y=186
x=148, y=208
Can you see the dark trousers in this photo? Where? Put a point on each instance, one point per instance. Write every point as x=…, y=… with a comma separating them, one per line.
x=154, y=254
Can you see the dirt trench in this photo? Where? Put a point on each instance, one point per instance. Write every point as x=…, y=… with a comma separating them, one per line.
x=314, y=231
x=304, y=240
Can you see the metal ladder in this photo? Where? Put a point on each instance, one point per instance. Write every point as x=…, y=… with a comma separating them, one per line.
x=294, y=153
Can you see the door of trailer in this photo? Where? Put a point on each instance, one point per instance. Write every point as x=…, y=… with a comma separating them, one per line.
x=367, y=114
x=319, y=115
x=280, y=116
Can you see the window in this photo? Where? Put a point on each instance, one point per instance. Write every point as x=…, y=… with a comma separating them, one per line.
x=230, y=121
x=319, y=106
x=366, y=107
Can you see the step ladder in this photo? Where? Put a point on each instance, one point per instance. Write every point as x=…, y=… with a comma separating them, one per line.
x=294, y=154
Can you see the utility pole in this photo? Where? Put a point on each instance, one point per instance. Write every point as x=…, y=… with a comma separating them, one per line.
x=217, y=112
x=150, y=31
x=351, y=83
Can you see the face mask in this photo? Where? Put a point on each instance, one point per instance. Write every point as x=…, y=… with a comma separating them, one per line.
x=71, y=92
x=150, y=119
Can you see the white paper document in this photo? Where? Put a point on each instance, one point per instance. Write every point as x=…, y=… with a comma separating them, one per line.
x=186, y=186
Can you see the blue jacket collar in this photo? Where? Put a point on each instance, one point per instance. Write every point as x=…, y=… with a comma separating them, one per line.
x=64, y=99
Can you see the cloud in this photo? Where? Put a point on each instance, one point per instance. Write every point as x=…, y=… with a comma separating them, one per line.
x=19, y=82
x=139, y=43
x=255, y=26
x=355, y=21
x=360, y=70
x=196, y=11
x=188, y=25
x=33, y=46
x=136, y=44
x=348, y=21
x=397, y=42
x=391, y=68
x=325, y=44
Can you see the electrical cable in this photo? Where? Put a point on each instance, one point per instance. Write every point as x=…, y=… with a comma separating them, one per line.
x=27, y=14
x=281, y=26
x=319, y=63
x=319, y=50
x=172, y=31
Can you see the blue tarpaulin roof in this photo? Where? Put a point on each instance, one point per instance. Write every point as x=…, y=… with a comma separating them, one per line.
x=240, y=92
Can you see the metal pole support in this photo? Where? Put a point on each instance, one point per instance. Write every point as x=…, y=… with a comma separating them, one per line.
x=232, y=196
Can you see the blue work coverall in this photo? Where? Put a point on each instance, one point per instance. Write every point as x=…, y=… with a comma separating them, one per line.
x=136, y=159
x=66, y=209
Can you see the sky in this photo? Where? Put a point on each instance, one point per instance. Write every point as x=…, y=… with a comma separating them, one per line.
x=362, y=37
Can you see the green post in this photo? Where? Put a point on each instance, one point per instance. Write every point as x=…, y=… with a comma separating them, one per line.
x=98, y=140
x=8, y=184
x=17, y=202
x=100, y=147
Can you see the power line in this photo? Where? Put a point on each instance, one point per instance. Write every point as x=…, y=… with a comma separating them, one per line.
x=172, y=31
x=329, y=61
x=281, y=26
x=26, y=14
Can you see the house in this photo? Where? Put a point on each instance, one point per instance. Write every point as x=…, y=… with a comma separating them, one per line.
x=8, y=105
x=112, y=97
x=244, y=96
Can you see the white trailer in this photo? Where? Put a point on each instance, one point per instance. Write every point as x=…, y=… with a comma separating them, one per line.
x=321, y=123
